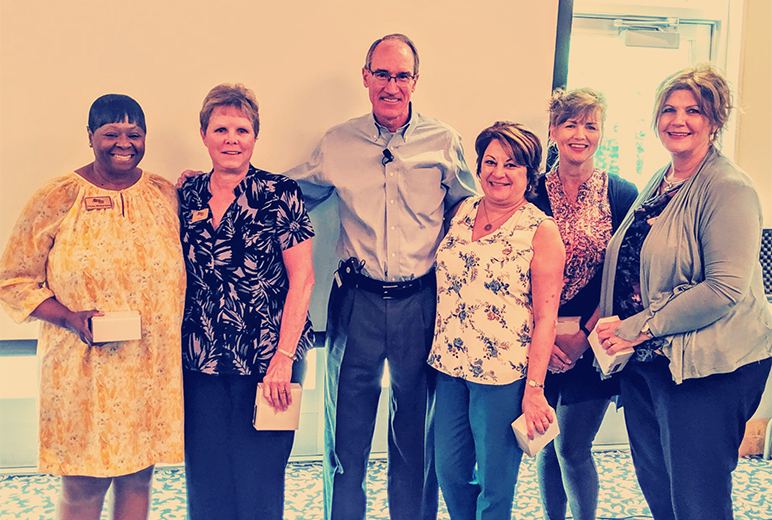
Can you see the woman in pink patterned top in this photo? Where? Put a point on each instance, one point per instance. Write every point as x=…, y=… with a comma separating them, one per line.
x=588, y=205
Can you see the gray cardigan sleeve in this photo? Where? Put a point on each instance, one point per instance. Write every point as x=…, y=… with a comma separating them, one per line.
x=728, y=240
x=698, y=262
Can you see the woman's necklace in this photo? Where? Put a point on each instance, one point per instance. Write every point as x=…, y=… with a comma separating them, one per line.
x=670, y=185
x=489, y=225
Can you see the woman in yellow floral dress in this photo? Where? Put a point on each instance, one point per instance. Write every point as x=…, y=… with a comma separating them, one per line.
x=103, y=238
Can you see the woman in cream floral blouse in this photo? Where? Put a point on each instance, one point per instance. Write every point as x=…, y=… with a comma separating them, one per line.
x=103, y=238
x=499, y=276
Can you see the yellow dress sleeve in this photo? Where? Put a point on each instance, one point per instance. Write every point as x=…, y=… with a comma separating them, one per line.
x=166, y=188
x=23, y=283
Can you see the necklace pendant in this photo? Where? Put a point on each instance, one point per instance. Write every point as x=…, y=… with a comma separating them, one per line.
x=487, y=227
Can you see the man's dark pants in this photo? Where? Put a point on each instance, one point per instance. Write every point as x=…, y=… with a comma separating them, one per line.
x=364, y=329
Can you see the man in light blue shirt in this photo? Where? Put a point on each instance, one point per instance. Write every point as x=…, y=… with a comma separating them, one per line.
x=396, y=175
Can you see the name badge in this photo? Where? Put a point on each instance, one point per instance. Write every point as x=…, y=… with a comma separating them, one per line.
x=98, y=203
x=199, y=215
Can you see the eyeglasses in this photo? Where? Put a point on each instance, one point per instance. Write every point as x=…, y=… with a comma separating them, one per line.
x=382, y=77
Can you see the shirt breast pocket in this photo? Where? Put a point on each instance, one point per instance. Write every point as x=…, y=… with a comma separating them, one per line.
x=422, y=188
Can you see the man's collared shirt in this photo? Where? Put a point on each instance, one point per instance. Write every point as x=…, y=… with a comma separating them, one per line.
x=391, y=211
x=237, y=283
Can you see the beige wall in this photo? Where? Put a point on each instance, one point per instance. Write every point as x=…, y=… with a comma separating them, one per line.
x=754, y=120
x=480, y=63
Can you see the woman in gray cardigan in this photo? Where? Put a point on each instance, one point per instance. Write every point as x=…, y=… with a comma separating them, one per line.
x=683, y=275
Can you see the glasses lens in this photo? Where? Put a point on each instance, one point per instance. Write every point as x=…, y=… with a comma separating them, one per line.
x=404, y=79
x=381, y=77
x=401, y=79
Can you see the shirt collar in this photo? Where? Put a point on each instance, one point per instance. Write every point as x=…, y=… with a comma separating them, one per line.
x=204, y=179
x=406, y=130
x=242, y=186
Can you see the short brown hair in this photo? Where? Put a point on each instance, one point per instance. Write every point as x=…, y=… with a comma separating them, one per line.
x=229, y=95
x=575, y=103
x=396, y=36
x=708, y=86
x=521, y=144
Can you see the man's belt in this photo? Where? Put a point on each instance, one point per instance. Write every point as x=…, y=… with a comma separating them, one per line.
x=387, y=290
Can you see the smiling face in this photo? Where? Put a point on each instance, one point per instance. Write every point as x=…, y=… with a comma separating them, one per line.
x=577, y=138
x=118, y=147
x=503, y=181
x=230, y=139
x=682, y=127
x=391, y=102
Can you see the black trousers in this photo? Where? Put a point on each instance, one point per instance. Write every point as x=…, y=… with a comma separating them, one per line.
x=363, y=330
x=685, y=438
x=232, y=471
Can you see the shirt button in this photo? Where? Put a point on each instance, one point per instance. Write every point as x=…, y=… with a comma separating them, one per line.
x=391, y=201
x=394, y=254
x=393, y=228
x=391, y=174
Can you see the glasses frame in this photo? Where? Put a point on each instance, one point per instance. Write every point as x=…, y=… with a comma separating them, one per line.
x=402, y=79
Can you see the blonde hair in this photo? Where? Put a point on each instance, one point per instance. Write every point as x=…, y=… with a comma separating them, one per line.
x=575, y=103
x=229, y=95
x=708, y=86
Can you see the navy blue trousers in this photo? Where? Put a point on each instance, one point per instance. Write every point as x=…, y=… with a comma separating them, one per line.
x=232, y=471
x=685, y=438
x=363, y=330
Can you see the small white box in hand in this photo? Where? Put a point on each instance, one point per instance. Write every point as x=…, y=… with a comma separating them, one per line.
x=609, y=364
x=567, y=325
x=116, y=326
x=266, y=417
x=540, y=440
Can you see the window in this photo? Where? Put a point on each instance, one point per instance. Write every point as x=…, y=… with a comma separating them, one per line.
x=625, y=58
x=625, y=48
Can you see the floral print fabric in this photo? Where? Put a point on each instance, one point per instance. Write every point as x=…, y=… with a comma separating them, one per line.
x=237, y=282
x=585, y=227
x=113, y=408
x=627, y=284
x=484, y=310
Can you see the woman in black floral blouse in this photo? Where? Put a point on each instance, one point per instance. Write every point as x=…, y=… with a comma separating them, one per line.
x=588, y=204
x=247, y=244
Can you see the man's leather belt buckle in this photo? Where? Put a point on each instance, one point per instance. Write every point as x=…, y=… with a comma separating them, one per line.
x=393, y=290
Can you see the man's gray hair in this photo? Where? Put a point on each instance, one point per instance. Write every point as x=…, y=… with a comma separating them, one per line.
x=396, y=36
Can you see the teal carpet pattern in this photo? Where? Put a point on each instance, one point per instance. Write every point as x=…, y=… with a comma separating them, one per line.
x=33, y=497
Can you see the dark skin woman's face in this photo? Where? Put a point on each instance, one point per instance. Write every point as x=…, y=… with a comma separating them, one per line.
x=118, y=147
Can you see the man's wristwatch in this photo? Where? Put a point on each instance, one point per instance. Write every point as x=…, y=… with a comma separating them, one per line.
x=534, y=384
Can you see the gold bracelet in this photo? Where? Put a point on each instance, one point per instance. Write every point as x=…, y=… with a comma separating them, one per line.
x=286, y=353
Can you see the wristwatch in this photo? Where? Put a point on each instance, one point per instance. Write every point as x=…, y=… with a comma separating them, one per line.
x=583, y=328
x=534, y=384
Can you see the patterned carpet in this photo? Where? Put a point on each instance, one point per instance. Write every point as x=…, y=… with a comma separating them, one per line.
x=32, y=497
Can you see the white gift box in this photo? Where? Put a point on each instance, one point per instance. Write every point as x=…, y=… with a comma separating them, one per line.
x=609, y=364
x=266, y=417
x=567, y=325
x=540, y=440
x=116, y=326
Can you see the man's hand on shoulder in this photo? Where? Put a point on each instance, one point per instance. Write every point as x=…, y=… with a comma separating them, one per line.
x=187, y=174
